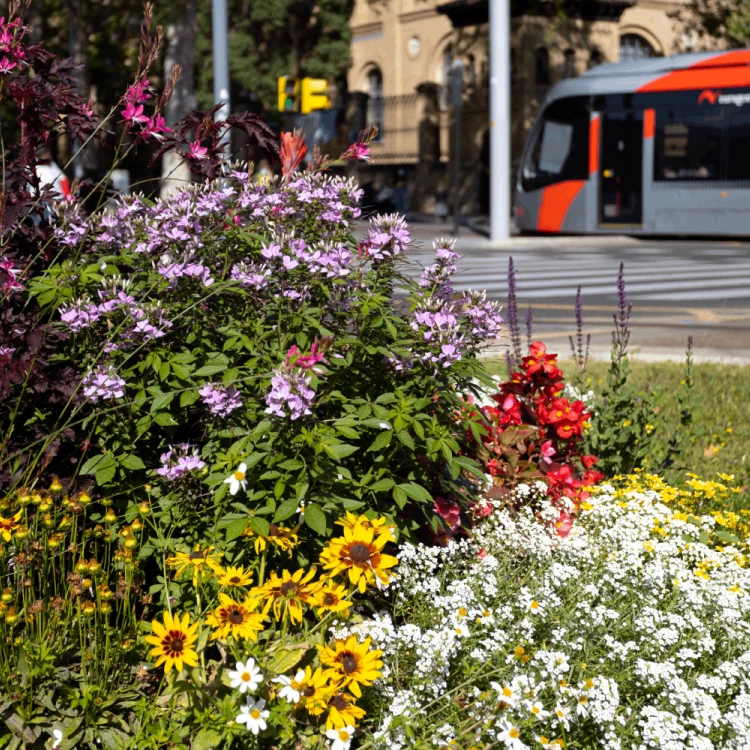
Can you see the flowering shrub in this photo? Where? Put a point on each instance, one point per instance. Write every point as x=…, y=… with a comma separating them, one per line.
x=534, y=432
x=631, y=632
x=244, y=321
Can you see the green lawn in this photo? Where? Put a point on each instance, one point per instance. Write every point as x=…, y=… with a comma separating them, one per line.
x=721, y=414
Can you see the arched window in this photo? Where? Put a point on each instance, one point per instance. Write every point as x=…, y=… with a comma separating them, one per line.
x=635, y=47
x=595, y=58
x=569, y=66
x=541, y=67
x=375, y=100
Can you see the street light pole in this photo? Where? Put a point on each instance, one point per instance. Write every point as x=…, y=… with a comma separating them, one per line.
x=221, y=66
x=500, y=173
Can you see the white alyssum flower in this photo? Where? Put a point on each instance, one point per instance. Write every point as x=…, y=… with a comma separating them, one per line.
x=253, y=715
x=245, y=676
x=237, y=479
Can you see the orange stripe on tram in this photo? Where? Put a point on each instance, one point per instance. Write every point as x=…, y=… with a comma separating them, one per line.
x=594, y=145
x=649, y=123
x=556, y=200
x=724, y=70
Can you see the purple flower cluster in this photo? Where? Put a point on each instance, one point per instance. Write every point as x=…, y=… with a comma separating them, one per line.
x=290, y=395
x=387, y=237
x=103, y=384
x=482, y=316
x=174, y=270
x=179, y=460
x=221, y=400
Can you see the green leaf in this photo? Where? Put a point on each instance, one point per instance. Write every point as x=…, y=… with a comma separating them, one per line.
x=206, y=739
x=206, y=370
x=286, y=510
x=236, y=528
x=97, y=462
x=131, y=462
x=406, y=439
x=260, y=526
x=284, y=659
x=381, y=485
x=416, y=492
x=315, y=518
x=342, y=450
x=106, y=473
x=164, y=419
x=181, y=371
x=381, y=441
x=399, y=497
x=188, y=397
x=161, y=401
x=290, y=464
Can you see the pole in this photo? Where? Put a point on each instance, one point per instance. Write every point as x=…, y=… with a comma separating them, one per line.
x=457, y=179
x=221, y=66
x=500, y=174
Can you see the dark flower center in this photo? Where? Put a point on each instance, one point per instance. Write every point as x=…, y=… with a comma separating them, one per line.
x=236, y=616
x=329, y=599
x=289, y=589
x=359, y=553
x=273, y=530
x=234, y=579
x=308, y=690
x=339, y=703
x=175, y=644
x=196, y=555
x=349, y=663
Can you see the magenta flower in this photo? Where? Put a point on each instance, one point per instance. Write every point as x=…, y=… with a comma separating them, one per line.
x=6, y=65
x=358, y=151
x=197, y=151
x=133, y=114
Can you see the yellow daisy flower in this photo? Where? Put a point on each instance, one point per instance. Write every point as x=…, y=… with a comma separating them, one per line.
x=352, y=663
x=9, y=525
x=174, y=642
x=279, y=536
x=342, y=712
x=200, y=562
x=287, y=593
x=235, y=618
x=332, y=598
x=380, y=525
x=314, y=691
x=235, y=575
x=360, y=553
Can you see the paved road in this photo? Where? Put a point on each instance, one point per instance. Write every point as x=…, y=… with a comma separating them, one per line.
x=677, y=287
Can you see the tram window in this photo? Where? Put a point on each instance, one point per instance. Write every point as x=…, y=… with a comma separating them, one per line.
x=738, y=163
x=688, y=144
x=560, y=147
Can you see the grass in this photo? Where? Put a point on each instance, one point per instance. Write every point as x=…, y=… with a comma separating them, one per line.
x=720, y=439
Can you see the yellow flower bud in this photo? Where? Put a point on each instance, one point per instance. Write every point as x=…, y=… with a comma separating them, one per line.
x=7, y=595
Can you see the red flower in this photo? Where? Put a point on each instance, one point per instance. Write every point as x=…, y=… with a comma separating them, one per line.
x=538, y=360
x=564, y=523
x=592, y=476
x=293, y=151
x=449, y=511
x=546, y=451
x=589, y=461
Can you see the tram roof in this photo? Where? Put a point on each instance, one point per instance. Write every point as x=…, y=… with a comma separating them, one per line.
x=694, y=70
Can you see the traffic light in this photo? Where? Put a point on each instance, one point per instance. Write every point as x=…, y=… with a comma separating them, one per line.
x=314, y=95
x=288, y=91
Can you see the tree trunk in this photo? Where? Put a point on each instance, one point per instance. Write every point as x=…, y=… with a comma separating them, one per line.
x=180, y=37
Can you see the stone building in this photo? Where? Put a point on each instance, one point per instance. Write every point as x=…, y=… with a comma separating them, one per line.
x=403, y=53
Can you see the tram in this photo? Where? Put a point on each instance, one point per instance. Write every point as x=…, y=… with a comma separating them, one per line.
x=656, y=146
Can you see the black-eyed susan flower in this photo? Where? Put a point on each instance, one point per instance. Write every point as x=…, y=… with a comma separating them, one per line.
x=381, y=526
x=173, y=642
x=278, y=536
x=287, y=593
x=236, y=618
x=9, y=525
x=314, y=690
x=235, y=575
x=359, y=553
x=200, y=562
x=331, y=598
x=342, y=711
x=351, y=663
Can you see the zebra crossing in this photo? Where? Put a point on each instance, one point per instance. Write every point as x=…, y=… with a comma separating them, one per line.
x=666, y=273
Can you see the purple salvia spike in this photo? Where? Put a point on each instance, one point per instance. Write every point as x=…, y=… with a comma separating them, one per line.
x=515, y=331
x=529, y=325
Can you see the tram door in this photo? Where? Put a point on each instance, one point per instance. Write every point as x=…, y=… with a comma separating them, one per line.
x=621, y=175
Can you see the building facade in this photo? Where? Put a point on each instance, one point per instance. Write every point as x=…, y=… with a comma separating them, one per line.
x=405, y=53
